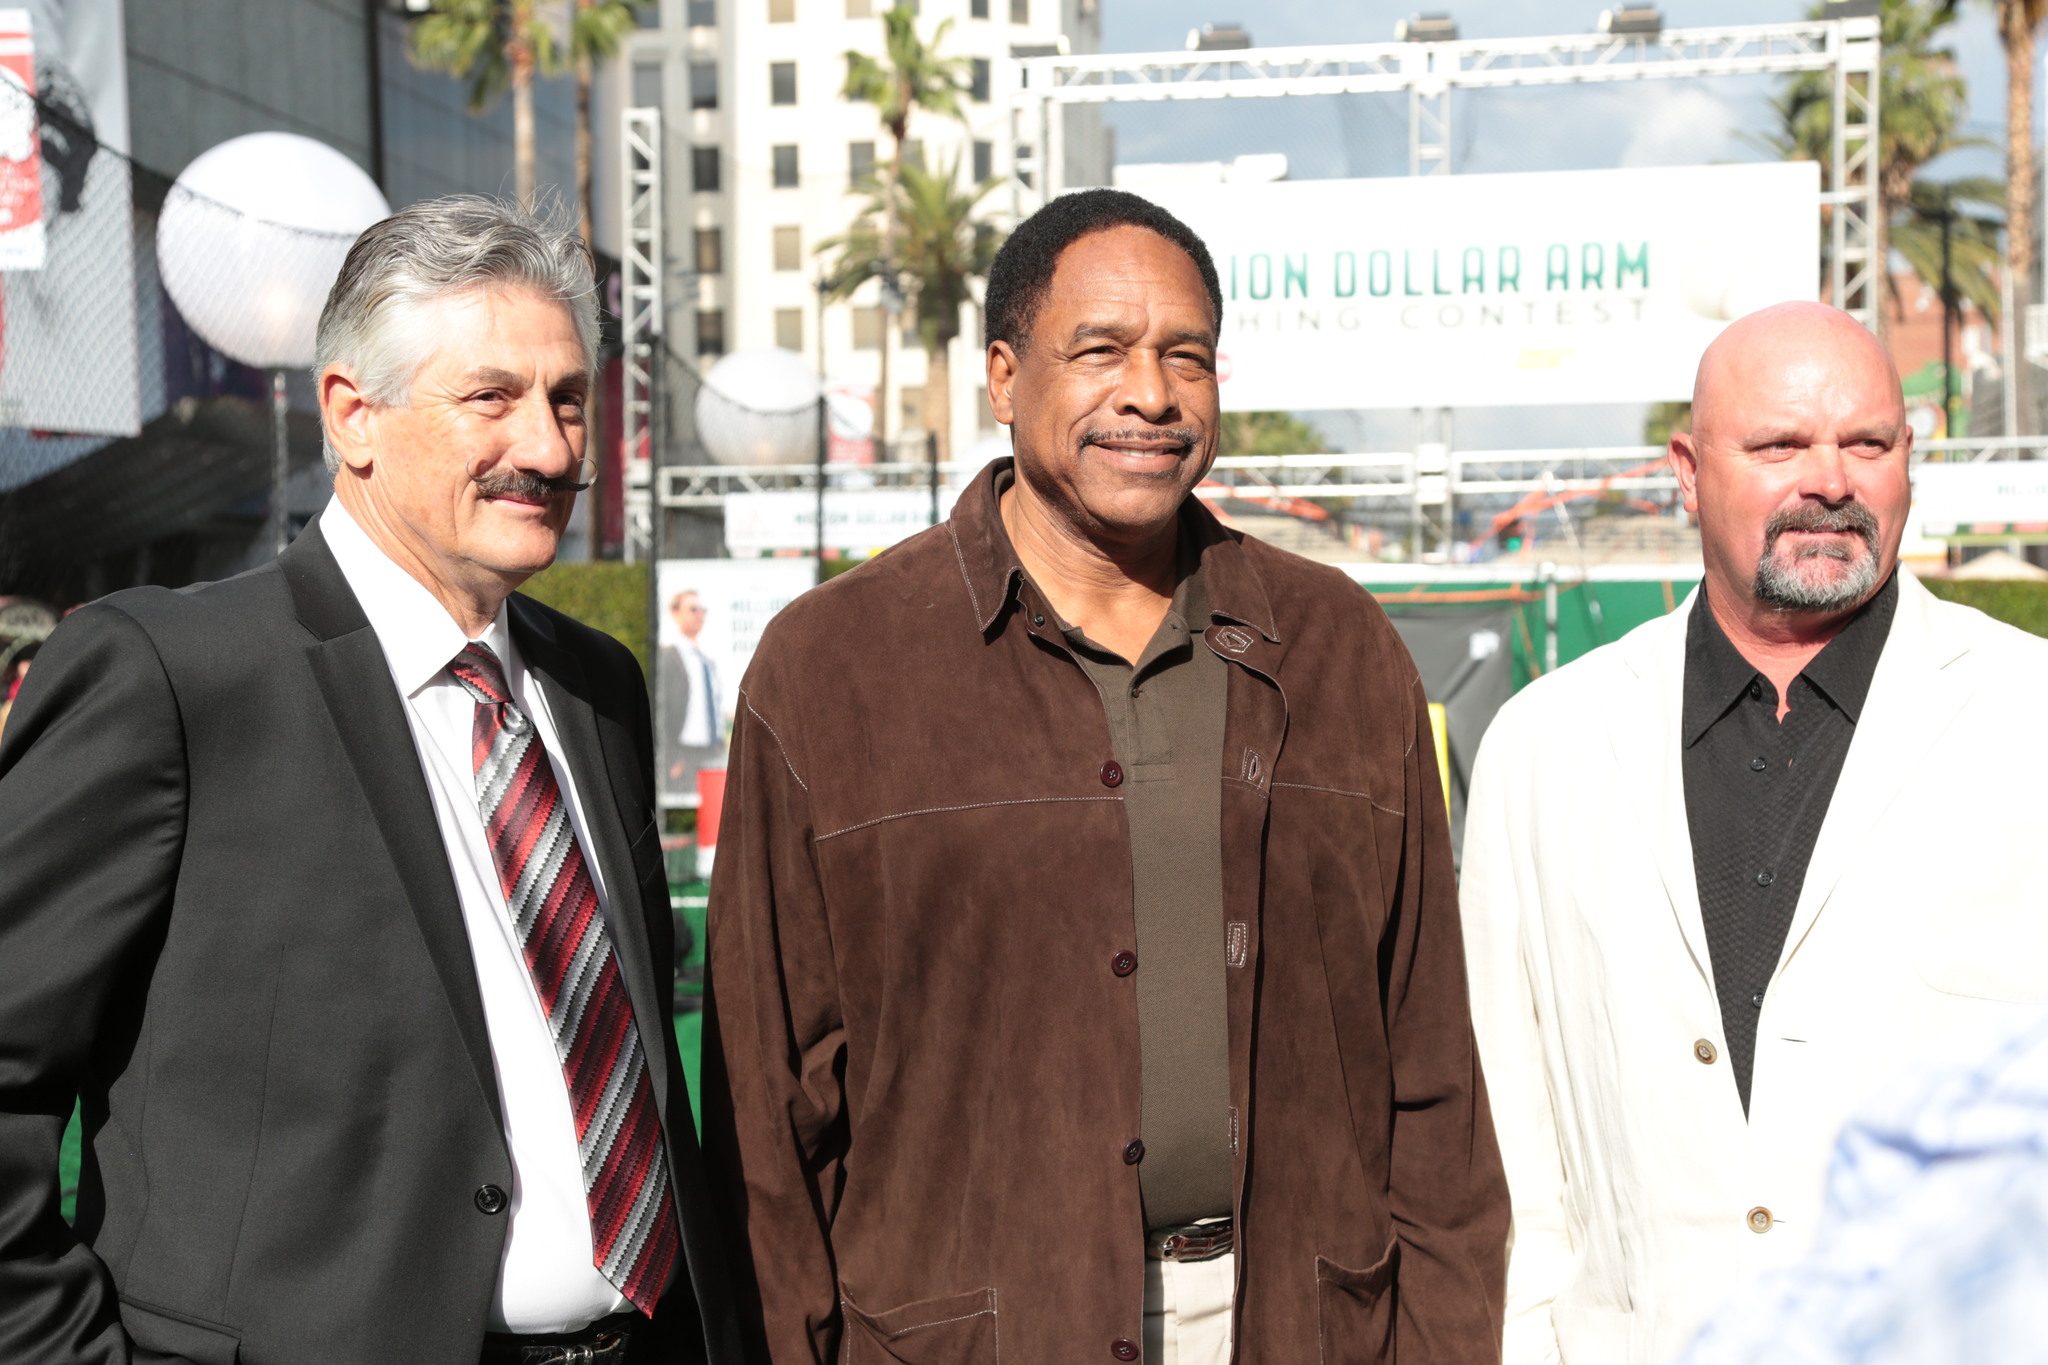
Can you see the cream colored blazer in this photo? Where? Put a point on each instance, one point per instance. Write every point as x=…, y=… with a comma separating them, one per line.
x=1641, y=1195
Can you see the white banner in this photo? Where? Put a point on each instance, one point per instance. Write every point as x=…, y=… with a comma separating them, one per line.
x=856, y=522
x=1992, y=498
x=1477, y=290
x=712, y=614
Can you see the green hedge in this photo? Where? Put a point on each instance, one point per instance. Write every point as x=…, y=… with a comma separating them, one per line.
x=2019, y=602
x=610, y=596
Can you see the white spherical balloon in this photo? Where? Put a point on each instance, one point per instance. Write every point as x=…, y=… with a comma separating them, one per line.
x=759, y=407
x=251, y=238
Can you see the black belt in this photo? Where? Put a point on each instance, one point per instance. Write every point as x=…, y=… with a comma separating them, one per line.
x=608, y=1341
x=1191, y=1241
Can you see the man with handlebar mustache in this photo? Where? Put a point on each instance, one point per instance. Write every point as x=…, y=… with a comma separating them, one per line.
x=1763, y=858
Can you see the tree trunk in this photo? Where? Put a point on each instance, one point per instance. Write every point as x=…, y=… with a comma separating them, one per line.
x=884, y=417
x=938, y=394
x=583, y=76
x=2016, y=31
x=521, y=53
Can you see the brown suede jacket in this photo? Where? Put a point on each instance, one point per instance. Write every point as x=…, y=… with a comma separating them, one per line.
x=922, y=1069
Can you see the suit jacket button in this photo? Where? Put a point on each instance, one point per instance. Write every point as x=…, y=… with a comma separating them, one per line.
x=1704, y=1050
x=491, y=1199
x=1112, y=774
x=1760, y=1219
x=1123, y=1348
x=1124, y=963
x=1134, y=1152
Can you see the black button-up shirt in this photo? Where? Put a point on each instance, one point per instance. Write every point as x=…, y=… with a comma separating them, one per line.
x=1756, y=792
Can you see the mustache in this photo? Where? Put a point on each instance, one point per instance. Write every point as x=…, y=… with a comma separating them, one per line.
x=520, y=483
x=1850, y=516
x=1183, y=438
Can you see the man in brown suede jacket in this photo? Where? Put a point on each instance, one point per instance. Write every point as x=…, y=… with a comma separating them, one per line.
x=1086, y=977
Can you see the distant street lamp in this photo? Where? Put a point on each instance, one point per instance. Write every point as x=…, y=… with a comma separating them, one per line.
x=249, y=242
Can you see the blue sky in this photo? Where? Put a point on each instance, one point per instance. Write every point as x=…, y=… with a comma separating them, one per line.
x=1651, y=123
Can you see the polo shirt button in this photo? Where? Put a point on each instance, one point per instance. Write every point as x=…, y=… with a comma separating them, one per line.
x=1760, y=1219
x=1134, y=1152
x=1766, y=877
x=1123, y=1348
x=1112, y=774
x=1123, y=964
x=1757, y=765
x=491, y=1199
x=1757, y=1001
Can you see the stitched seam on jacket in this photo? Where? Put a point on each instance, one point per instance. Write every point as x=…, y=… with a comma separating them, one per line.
x=780, y=747
x=977, y=1313
x=960, y=557
x=1338, y=791
x=947, y=810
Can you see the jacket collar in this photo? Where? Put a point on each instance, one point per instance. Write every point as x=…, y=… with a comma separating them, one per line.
x=991, y=569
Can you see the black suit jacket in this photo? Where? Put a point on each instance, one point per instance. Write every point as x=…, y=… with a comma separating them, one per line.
x=227, y=923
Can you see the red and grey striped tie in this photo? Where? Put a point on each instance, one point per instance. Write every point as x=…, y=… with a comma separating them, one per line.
x=554, y=907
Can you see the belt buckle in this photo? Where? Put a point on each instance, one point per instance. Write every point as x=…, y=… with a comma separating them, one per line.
x=605, y=1348
x=1193, y=1242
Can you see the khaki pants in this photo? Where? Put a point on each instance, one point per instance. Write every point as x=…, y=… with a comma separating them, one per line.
x=1187, y=1311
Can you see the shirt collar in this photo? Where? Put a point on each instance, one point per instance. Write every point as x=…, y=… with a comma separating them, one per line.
x=992, y=569
x=418, y=635
x=1716, y=674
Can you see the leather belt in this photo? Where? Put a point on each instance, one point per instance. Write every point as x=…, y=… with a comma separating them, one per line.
x=1191, y=1241
x=608, y=1341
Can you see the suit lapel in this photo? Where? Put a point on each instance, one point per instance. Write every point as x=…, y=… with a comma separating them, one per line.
x=369, y=719
x=1646, y=731
x=1911, y=703
x=599, y=758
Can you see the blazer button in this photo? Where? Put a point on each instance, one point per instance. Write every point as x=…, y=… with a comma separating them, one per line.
x=1123, y=964
x=491, y=1199
x=1134, y=1152
x=1759, y=1219
x=1704, y=1050
x=1112, y=774
x=1123, y=1348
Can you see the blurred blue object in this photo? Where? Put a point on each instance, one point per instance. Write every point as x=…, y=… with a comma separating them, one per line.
x=1933, y=1249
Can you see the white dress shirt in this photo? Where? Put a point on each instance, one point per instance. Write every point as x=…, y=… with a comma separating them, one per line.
x=547, y=1281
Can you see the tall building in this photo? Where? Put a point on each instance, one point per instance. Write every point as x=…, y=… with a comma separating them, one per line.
x=764, y=161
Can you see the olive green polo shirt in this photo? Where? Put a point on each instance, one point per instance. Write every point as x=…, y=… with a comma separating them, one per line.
x=1166, y=723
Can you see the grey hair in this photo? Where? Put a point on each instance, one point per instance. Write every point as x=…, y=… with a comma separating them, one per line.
x=431, y=250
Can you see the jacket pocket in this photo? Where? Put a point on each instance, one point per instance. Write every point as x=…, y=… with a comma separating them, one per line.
x=161, y=1336
x=1356, y=1309
x=959, y=1329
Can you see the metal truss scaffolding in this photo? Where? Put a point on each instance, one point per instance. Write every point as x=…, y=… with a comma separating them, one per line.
x=640, y=318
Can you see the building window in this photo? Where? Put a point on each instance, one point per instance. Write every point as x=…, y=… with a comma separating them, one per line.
x=710, y=331
x=648, y=15
x=789, y=248
x=984, y=161
x=647, y=85
x=703, y=13
x=789, y=329
x=781, y=11
x=710, y=251
x=860, y=164
x=782, y=82
x=1020, y=11
x=912, y=398
x=704, y=169
x=785, y=165
x=977, y=9
x=977, y=88
x=703, y=85
x=867, y=329
x=860, y=9
x=913, y=152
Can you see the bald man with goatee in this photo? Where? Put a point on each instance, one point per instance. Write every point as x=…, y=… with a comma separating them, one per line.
x=1730, y=877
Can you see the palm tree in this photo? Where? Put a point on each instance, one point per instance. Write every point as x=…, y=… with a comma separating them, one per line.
x=596, y=29
x=1955, y=249
x=1922, y=97
x=941, y=249
x=2018, y=21
x=493, y=44
x=909, y=76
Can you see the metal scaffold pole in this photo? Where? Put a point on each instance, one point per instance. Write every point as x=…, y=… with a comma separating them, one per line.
x=640, y=310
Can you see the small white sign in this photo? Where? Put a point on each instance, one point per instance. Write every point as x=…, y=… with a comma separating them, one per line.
x=1955, y=499
x=857, y=522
